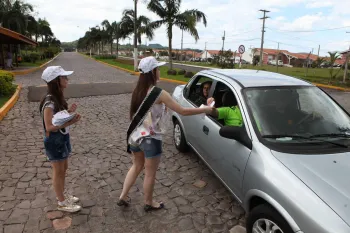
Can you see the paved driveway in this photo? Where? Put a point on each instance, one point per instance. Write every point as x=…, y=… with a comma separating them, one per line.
x=98, y=167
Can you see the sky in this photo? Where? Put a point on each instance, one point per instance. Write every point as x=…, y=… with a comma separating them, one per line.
x=297, y=25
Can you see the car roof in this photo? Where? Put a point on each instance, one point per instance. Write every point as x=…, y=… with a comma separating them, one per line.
x=257, y=78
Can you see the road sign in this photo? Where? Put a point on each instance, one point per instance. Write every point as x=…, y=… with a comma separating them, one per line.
x=241, y=49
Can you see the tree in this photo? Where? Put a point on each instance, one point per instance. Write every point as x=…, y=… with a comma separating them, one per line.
x=143, y=25
x=169, y=12
x=114, y=32
x=319, y=61
x=332, y=59
x=14, y=15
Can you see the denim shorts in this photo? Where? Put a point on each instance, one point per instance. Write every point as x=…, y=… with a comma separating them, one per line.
x=151, y=147
x=57, y=146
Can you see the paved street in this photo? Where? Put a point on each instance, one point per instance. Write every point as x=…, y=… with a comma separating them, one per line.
x=98, y=167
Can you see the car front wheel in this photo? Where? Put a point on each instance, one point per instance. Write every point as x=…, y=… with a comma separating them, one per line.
x=264, y=219
x=179, y=138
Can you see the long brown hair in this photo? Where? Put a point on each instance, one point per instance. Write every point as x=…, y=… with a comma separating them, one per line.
x=55, y=90
x=143, y=84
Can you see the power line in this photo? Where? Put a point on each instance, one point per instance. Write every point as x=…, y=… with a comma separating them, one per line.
x=319, y=30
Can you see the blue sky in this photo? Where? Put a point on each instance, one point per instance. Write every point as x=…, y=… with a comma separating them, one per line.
x=239, y=18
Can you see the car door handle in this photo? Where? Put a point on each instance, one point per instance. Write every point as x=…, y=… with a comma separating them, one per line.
x=205, y=129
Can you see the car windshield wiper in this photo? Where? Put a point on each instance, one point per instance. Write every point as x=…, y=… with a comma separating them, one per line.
x=275, y=136
x=333, y=135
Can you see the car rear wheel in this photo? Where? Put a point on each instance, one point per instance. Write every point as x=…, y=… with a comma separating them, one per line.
x=264, y=219
x=179, y=138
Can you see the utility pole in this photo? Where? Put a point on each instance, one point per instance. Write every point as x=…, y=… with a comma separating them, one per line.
x=223, y=45
x=278, y=53
x=182, y=43
x=262, y=35
x=346, y=64
x=206, y=53
x=318, y=53
x=135, y=36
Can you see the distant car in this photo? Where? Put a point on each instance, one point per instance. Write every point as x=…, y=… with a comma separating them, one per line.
x=273, y=62
x=288, y=164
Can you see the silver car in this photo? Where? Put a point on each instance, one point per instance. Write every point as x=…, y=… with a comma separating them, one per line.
x=288, y=163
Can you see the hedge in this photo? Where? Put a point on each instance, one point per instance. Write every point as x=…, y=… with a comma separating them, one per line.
x=7, y=87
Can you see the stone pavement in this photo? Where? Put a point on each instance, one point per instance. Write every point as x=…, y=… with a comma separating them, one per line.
x=195, y=200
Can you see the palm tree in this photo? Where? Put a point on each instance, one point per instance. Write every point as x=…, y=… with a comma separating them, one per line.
x=169, y=12
x=143, y=25
x=319, y=61
x=44, y=30
x=14, y=15
x=332, y=58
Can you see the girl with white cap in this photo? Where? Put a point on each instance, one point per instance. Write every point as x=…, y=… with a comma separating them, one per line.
x=145, y=137
x=56, y=138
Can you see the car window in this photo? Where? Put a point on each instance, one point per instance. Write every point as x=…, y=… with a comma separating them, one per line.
x=225, y=101
x=199, y=90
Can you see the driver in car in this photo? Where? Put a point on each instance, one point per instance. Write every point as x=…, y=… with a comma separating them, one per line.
x=230, y=113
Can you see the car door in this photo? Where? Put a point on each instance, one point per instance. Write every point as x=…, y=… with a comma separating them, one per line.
x=227, y=157
x=190, y=123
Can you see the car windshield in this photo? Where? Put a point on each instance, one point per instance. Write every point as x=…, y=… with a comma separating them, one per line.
x=296, y=114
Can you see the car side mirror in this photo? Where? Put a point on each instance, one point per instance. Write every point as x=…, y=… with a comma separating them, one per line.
x=236, y=133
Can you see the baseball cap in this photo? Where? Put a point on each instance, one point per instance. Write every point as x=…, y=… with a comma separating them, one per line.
x=52, y=72
x=147, y=64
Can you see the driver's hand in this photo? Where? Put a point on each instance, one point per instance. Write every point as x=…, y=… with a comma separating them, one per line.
x=210, y=100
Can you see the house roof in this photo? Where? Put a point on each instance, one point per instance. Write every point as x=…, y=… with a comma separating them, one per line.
x=10, y=37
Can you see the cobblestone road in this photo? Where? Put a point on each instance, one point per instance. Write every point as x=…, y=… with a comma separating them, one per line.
x=97, y=170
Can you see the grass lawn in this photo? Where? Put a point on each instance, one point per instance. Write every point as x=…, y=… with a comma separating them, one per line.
x=163, y=70
x=3, y=100
x=315, y=75
x=36, y=64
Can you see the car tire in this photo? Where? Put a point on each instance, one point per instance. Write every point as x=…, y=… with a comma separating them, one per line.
x=262, y=214
x=179, y=138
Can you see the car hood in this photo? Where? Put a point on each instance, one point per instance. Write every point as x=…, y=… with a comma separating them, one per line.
x=327, y=175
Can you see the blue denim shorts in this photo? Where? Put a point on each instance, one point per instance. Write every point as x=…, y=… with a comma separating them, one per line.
x=57, y=146
x=151, y=147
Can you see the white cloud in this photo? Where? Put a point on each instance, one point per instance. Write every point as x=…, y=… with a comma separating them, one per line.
x=319, y=4
x=239, y=18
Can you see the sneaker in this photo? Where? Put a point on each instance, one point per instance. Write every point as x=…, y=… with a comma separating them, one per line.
x=68, y=207
x=70, y=198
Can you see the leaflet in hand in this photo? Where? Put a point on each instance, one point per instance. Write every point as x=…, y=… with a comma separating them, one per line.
x=62, y=117
x=211, y=105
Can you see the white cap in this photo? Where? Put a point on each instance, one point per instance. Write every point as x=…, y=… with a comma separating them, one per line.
x=147, y=64
x=52, y=72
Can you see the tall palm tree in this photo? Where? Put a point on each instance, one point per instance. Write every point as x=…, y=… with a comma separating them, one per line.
x=170, y=14
x=14, y=15
x=319, y=61
x=332, y=59
x=143, y=25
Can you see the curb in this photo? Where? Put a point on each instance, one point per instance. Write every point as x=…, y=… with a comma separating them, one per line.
x=10, y=103
x=24, y=72
x=133, y=72
x=332, y=87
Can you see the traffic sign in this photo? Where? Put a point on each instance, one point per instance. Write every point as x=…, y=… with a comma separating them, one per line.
x=241, y=49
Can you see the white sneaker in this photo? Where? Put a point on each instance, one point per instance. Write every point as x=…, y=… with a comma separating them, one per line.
x=68, y=207
x=70, y=198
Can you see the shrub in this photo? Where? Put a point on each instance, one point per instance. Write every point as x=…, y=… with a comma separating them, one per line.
x=6, y=86
x=105, y=56
x=181, y=72
x=171, y=72
x=189, y=74
x=34, y=57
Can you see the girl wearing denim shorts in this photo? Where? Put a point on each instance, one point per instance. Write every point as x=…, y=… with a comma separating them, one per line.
x=146, y=141
x=56, y=138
